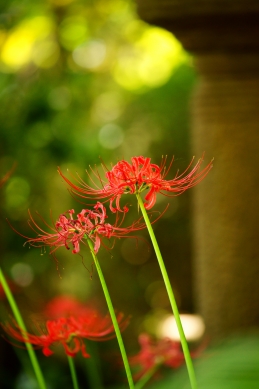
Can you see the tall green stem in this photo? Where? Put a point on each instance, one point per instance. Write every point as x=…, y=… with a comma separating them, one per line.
x=93, y=366
x=170, y=293
x=73, y=372
x=113, y=316
x=20, y=322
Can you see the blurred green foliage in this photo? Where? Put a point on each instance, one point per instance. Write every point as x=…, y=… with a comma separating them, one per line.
x=80, y=83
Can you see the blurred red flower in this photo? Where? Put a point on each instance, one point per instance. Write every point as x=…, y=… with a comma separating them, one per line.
x=156, y=352
x=63, y=306
x=136, y=177
x=68, y=331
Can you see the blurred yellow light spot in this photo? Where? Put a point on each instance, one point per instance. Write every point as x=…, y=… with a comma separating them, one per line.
x=90, y=55
x=151, y=60
x=126, y=72
x=45, y=54
x=22, y=274
x=73, y=31
x=193, y=326
x=107, y=107
x=164, y=53
x=116, y=9
x=111, y=136
x=18, y=47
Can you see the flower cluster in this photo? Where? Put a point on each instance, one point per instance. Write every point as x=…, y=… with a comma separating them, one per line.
x=124, y=178
x=89, y=223
x=68, y=322
x=140, y=175
x=69, y=330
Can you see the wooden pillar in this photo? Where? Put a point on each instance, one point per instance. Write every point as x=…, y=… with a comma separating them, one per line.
x=224, y=38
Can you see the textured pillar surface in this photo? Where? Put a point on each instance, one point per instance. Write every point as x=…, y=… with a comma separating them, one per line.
x=224, y=38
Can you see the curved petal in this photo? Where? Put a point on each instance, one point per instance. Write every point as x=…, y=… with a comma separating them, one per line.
x=47, y=351
x=97, y=243
x=150, y=198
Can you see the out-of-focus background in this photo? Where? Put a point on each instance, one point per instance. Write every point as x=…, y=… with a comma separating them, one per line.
x=86, y=83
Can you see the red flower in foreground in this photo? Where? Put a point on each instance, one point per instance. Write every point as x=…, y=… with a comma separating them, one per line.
x=70, y=332
x=161, y=352
x=87, y=224
x=64, y=306
x=138, y=176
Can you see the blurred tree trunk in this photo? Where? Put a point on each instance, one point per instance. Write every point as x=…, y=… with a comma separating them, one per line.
x=224, y=38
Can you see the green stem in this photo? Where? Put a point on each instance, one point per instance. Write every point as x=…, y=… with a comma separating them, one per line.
x=73, y=372
x=170, y=293
x=113, y=316
x=146, y=377
x=93, y=366
x=20, y=322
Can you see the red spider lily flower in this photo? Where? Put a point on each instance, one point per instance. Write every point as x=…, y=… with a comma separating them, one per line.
x=161, y=352
x=87, y=224
x=68, y=331
x=138, y=176
x=64, y=306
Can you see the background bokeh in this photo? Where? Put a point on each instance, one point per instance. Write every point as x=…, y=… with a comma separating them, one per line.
x=81, y=83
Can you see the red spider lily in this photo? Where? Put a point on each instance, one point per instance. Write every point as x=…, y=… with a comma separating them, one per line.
x=70, y=332
x=64, y=306
x=138, y=176
x=161, y=352
x=87, y=224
